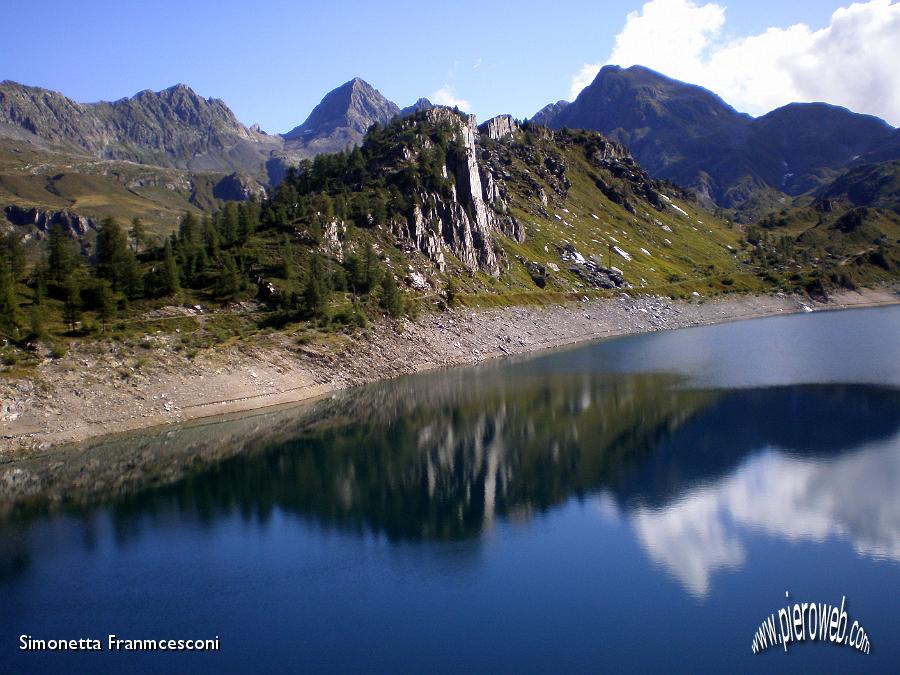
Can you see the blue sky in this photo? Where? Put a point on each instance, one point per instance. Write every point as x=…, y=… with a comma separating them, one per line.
x=271, y=62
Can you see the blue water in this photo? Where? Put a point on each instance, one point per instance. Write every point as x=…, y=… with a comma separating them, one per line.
x=638, y=505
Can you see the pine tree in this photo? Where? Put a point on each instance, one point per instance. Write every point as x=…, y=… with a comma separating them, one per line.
x=106, y=302
x=211, y=237
x=391, y=298
x=131, y=284
x=9, y=310
x=38, y=313
x=450, y=292
x=288, y=262
x=229, y=224
x=113, y=254
x=380, y=208
x=61, y=258
x=370, y=268
x=38, y=321
x=72, y=303
x=353, y=265
x=228, y=283
x=315, y=292
x=15, y=255
x=189, y=233
x=170, y=280
x=357, y=164
x=138, y=235
x=248, y=220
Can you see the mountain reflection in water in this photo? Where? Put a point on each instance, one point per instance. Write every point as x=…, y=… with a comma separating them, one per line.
x=441, y=458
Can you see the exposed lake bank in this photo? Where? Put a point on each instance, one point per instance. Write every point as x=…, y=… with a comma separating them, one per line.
x=102, y=389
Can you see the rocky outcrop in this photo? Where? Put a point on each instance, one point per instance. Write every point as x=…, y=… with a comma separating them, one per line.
x=238, y=186
x=423, y=237
x=469, y=230
x=43, y=219
x=466, y=219
x=333, y=234
x=499, y=127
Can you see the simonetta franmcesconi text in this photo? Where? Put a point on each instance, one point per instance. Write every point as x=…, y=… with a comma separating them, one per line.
x=114, y=643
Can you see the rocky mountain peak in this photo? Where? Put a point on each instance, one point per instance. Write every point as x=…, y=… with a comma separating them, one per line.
x=421, y=104
x=355, y=106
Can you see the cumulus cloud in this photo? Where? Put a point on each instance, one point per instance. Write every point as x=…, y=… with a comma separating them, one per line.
x=850, y=62
x=446, y=95
x=785, y=496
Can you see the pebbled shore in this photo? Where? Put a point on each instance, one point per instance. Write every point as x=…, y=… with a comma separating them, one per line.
x=101, y=389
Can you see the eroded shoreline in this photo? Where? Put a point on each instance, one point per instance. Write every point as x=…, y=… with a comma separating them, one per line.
x=98, y=390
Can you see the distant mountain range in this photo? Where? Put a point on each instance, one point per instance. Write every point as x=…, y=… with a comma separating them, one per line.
x=172, y=128
x=677, y=131
x=689, y=135
x=177, y=128
x=157, y=154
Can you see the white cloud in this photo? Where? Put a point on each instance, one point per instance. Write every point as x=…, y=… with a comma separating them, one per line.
x=850, y=62
x=446, y=95
x=784, y=495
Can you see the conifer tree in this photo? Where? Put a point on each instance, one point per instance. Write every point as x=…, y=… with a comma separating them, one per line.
x=106, y=302
x=61, y=258
x=138, y=235
x=391, y=298
x=9, y=310
x=72, y=304
x=370, y=268
x=228, y=282
x=211, y=237
x=229, y=224
x=12, y=249
x=114, y=257
x=170, y=280
x=450, y=292
x=315, y=292
x=288, y=262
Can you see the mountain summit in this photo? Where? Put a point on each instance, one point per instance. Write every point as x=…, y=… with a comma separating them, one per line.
x=341, y=119
x=689, y=135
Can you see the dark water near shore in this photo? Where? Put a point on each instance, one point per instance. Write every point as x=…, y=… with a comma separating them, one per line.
x=640, y=505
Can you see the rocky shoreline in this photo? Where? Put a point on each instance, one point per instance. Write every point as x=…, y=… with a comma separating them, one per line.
x=102, y=389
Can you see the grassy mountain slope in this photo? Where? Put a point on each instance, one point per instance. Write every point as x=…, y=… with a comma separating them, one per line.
x=34, y=178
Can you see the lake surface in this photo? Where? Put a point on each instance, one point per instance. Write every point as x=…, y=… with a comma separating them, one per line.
x=641, y=504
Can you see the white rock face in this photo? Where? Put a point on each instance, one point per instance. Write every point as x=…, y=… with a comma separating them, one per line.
x=499, y=127
x=463, y=223
x=332, y=233
x=425, y=240
x=418, y=281
x=470, y=194
x=619, y=252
